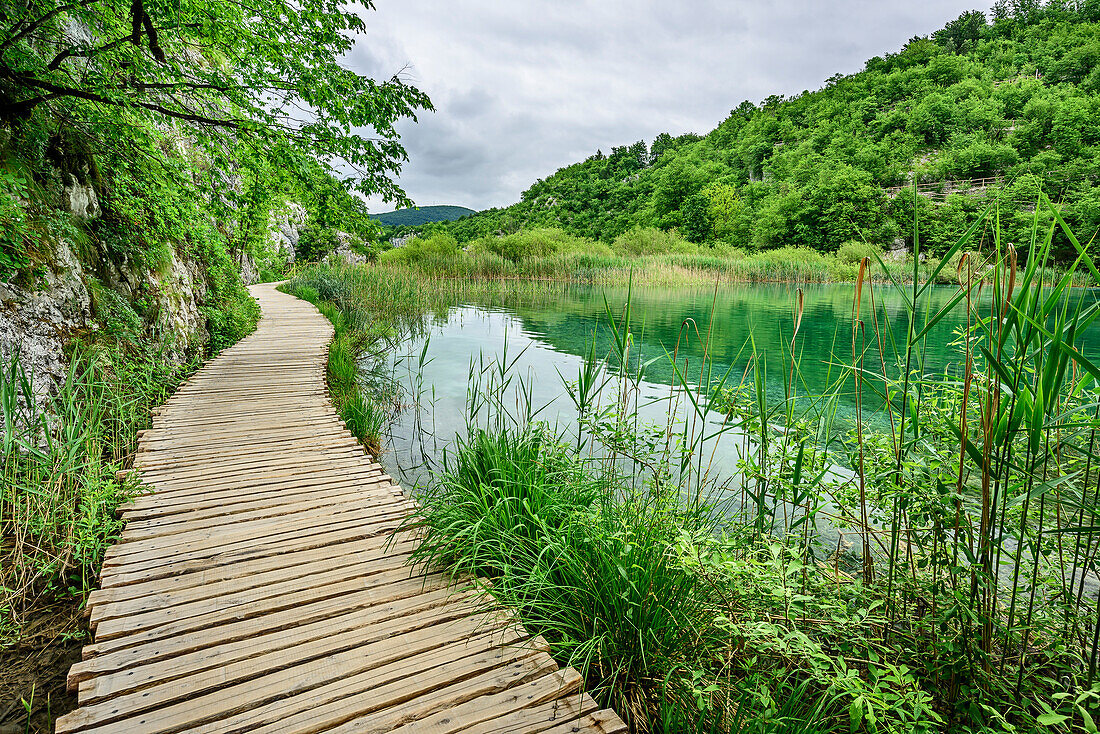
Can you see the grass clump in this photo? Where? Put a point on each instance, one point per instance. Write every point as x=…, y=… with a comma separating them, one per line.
x=594, y=575
x=61, y=487
x=932, y=570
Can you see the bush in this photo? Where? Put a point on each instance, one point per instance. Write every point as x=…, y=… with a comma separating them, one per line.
x=536, y=243
x=852, y=252
x=652, y=241
x=314, y=243
x=436, y=245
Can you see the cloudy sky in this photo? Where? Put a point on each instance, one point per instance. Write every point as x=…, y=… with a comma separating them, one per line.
x=523, y=87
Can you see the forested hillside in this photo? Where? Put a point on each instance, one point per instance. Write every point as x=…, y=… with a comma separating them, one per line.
x=414, y=216
x=1008, y=104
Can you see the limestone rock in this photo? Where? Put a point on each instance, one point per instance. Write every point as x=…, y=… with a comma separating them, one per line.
x=286, y=229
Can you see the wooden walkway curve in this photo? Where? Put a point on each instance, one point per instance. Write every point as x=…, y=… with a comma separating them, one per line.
x=254, y=589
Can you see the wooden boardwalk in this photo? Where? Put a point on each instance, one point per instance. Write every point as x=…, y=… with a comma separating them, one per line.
x=255, y=590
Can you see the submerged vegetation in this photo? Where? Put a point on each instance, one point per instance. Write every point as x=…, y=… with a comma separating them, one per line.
x=933, y=570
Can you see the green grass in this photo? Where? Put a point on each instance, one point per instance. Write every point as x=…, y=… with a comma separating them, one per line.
x=61, y=488
x=956, y=598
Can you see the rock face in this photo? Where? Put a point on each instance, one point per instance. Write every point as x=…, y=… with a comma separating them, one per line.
x=344, y=252
x=80, y=199
x=38, y=319
x=286, y=226
x=34, y=322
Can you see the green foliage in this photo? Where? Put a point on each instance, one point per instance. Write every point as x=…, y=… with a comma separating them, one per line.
x=1015, y=97
x=315, y=242
x=533, y=244
x=15, y=229
x=415, y=216
x=60, y=491
x=853, y=252
x=269, y=81
x=439, y=246
x=651, y=241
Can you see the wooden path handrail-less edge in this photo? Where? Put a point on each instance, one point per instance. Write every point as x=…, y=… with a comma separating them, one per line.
x=260, y=586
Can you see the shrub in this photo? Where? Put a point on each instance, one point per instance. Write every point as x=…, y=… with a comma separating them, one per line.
x=852, y=252
x=652, y=241
x=535, y=243
x=436, y=245
x=315, y=242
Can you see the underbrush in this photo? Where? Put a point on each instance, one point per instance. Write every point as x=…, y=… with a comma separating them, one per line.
x=652, y=257
x=935, y=571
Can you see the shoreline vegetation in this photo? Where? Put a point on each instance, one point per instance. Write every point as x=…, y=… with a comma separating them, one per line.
x=63, y=479
x=652, y=257
x=965, y=599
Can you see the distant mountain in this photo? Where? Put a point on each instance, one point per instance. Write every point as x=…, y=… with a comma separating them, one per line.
x=413, y=217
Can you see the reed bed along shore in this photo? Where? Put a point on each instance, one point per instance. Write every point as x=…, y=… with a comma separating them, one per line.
x=944, y=580
x=653, y=257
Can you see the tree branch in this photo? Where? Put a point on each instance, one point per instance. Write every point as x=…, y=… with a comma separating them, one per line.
x=42, y=21
x=54, y=91
x=75, y=51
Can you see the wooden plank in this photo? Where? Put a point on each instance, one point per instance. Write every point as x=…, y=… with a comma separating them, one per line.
x=148, y=508
x=372, y=525
x=152, y=559
x=211, y=695
x=216, y=517
x=241, y=572
x=383, y=602
x=222, y=536
x=557, y=687
x=359, y=532
x=159, y=624
x=261, y=476
x=262, y=584
x=601, y=722
x=444, y=697
x=576, y=710
x=387, y=557
x=322, y=635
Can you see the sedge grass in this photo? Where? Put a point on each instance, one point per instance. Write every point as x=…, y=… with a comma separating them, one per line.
x=936, y=573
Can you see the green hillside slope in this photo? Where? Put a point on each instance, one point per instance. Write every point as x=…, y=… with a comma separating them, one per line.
x=1009, y=104
x=413, y=216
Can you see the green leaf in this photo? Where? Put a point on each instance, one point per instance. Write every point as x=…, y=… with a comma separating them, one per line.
x=1051, y=719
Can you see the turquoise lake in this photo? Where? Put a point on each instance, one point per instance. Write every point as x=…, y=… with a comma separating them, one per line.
x=548, y=341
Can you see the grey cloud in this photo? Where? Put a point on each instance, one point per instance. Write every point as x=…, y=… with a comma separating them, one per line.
x=523, y=88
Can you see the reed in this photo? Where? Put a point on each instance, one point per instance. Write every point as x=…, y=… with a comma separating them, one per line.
x=61, y=456
x=931, y=568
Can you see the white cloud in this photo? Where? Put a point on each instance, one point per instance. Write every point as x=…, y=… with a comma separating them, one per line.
x=522, y=88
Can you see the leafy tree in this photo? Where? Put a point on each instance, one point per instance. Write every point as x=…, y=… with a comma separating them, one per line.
x=963, y=33
x=661, y=143
x=268, y=76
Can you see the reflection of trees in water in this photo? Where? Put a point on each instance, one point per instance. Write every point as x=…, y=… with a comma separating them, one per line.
x=744, y=316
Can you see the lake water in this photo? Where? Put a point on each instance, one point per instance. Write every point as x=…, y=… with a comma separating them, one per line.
x=548, y=341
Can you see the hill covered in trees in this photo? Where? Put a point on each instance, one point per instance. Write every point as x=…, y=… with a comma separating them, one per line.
x=1007, y=105
x=414, y=216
